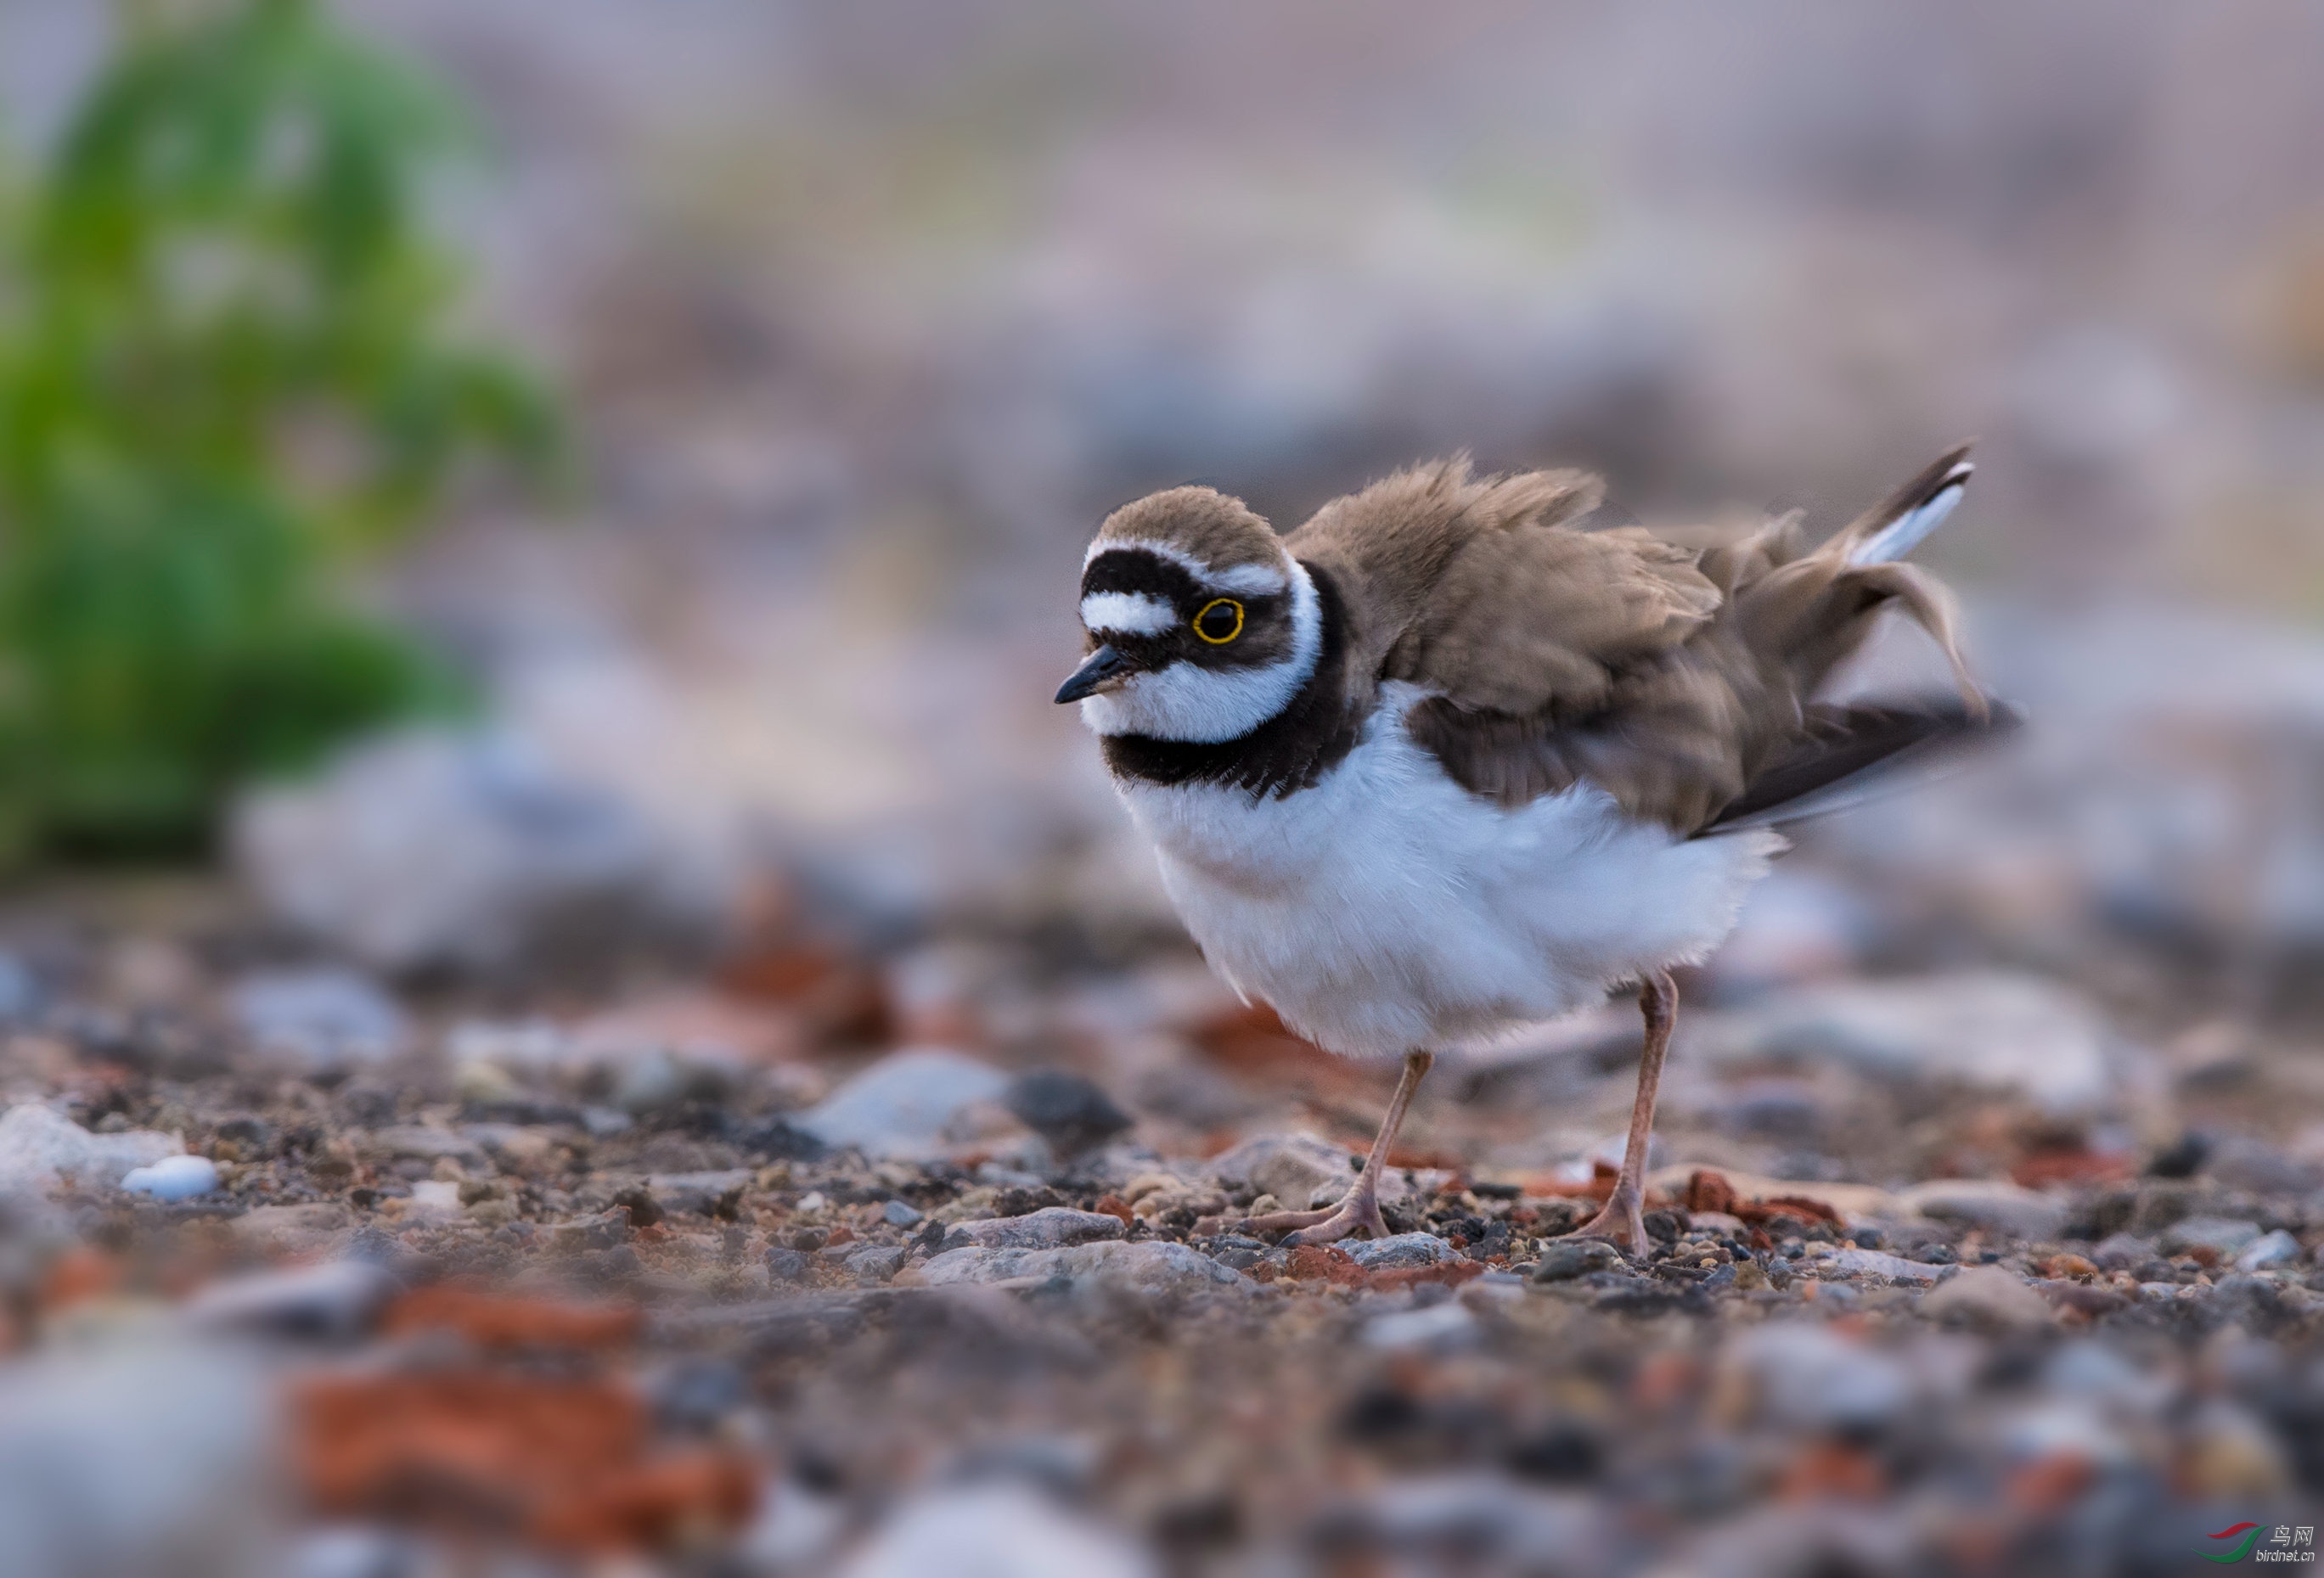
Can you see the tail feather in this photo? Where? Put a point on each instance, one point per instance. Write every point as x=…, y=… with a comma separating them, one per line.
x=1903, y=520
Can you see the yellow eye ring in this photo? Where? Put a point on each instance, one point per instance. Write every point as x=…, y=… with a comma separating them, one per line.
x=1219, y=602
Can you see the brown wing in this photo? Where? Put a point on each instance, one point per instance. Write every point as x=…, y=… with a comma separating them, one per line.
x=1674, y=678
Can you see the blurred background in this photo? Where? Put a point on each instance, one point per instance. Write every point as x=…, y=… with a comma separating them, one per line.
x=536, y=540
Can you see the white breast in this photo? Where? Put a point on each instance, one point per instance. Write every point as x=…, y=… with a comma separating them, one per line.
x=1388, y=909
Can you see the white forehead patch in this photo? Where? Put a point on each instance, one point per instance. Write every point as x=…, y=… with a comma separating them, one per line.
x=1131, y=613
x=1250, y=580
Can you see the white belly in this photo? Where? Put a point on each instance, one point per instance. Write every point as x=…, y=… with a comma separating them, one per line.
x=1388, y=909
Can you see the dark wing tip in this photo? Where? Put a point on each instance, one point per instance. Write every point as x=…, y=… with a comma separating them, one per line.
x=1845, y=751
x=1952, y=469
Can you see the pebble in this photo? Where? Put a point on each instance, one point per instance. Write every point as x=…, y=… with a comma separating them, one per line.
x=1051, y=1227
x=2123, y=1252
x=656, y=1078
x=1401, y=1250
x=2025, y=1035
x=293, y=1229
x=2227, y=1237
x=900, y=1107
x=875, y=1263
x=467, y=849
x=899, y=1213
x=1439, y=1328
x=148, y=1457
x=1871, y=1262
x=787, y=1265
x=1994, y=1204
x=1987, y=1297
x=2278, y=1248
x=1295, y=1169
x=996, y=1528
x=698, y=1393
x=1070, y=1113
x=336, y=1301
x=700, y=1194
x=320, y=1020
x=1154, y=1267
x=603, y=1230
x=174, y=1178
x=1562, y=1259
x=1810, y=1375
x=421, y=1142
x=40, y=1147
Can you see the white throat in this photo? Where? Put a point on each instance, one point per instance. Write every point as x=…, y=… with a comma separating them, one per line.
x=1185, y=701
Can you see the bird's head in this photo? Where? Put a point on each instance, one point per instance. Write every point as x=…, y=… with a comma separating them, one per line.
x=1200, y=627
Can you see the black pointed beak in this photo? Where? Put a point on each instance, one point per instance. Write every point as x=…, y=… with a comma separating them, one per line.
x=1098, y=668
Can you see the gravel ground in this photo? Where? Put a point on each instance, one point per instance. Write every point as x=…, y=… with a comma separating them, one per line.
x=771, y=1277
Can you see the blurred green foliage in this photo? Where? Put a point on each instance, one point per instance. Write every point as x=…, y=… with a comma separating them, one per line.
x=227, y=370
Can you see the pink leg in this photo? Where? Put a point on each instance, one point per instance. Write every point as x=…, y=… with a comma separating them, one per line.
x=1623, y=1220
x=1361, y=1209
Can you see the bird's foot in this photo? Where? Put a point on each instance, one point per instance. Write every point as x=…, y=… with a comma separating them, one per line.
x=1360, y=1210
x=1621, y=1223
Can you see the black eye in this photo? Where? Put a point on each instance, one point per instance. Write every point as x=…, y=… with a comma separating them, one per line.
x=1220, y=622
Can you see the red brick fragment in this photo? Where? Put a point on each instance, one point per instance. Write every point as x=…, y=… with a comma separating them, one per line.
x=1324, y=1262
x=565, y=1463
x=1451, y=1273
x=1831, y=1471
x=497, y=1321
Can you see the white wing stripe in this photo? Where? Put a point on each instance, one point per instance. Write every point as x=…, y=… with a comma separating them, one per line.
x=1900, y=535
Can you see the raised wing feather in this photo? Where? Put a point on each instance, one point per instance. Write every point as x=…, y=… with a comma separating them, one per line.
x=1677, y=680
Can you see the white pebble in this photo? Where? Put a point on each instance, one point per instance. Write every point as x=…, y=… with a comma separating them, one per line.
x=174, y=1178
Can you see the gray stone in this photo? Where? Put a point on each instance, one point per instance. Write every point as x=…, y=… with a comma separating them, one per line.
x=1810, y=1376
x=426, y=1144
x=698, y=1194
x=1564, y=1259
x=2278, y=1248
x=656, y=1078
x=875, y=1263
x=2241, y=1162
x=293, y=1229
x=1295, y=1169
x=2023, y=1034
x=605, y=1230
x=1071, y=1113
x=471, y=850
x=40, y=1147
x=1495, y=1524
x=2123, y=1252
x=139, y=1458
x=1989, y=1297
x=1871, y=1262
x=336, y=1301
x=1154, y=1268
x=320, y=1020
x=2220, y=1233
x=1993, y=1205
x=899, y=1213
x=1438, y=1328
x=1053, y=1227
x=787, y=1265
x=19, y=990
x=995, y=1527
x=1401, y=1250
x=899, y=1108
